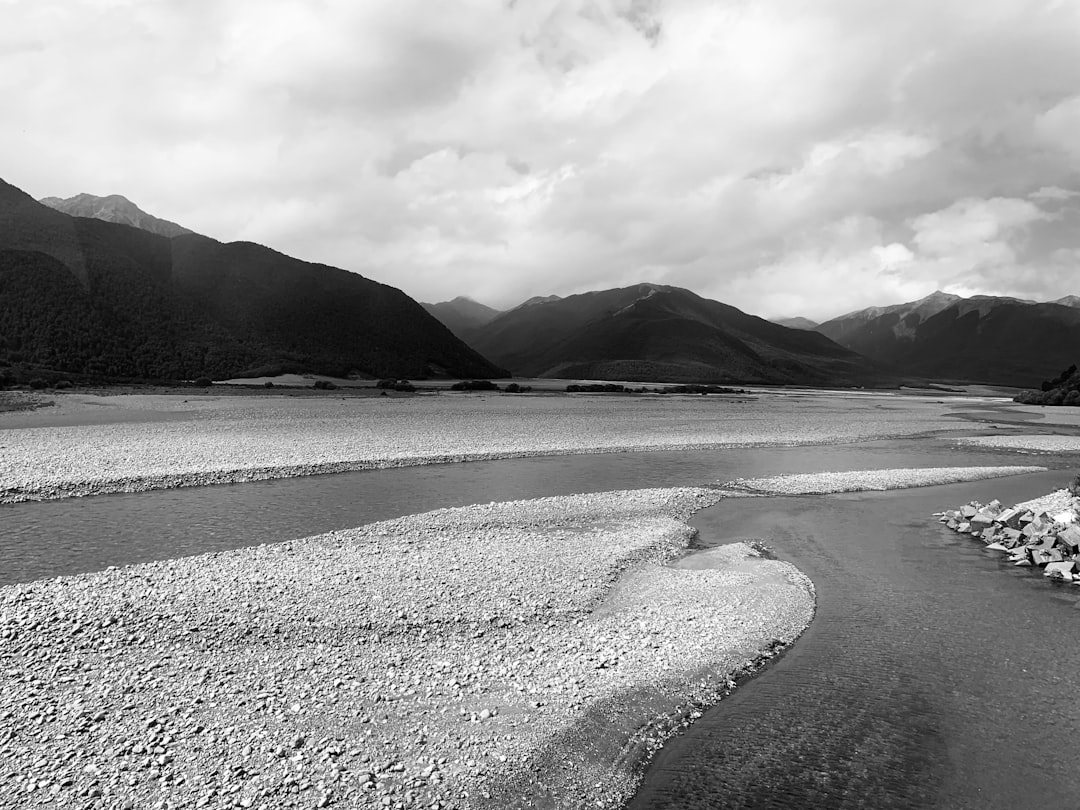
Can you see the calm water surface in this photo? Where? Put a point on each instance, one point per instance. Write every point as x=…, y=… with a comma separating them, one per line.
x=75, y=535
x=934, y=675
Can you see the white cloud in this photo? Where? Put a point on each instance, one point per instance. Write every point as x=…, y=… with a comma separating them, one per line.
x=973, y=226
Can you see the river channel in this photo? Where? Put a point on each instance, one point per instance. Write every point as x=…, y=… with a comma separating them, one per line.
x=932, y=676
x=75, y=535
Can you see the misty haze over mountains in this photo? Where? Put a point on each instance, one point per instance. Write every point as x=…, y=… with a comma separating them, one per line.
x=84, y=297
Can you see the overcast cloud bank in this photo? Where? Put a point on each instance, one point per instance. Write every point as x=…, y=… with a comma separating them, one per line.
x=784, y=159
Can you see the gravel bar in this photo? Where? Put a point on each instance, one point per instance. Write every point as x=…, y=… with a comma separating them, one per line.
x=826, y=483
x=193, y=442
x=525, y=654
x=1030, y=443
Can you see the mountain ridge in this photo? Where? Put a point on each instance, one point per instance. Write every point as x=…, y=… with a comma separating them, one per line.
x=660, y=332
x=461, y=315
x=990, y=339
x=114, y=208
x=84, y=296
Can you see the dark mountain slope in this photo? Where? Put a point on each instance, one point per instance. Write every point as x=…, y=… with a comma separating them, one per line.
x=980, y=339
x=653, y=332
x=113, y=208
x=116, y=302
x=876, y=323
x=462, y=316
x=25, y=224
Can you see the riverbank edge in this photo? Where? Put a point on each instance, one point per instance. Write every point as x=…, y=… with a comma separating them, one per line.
x=885, y=480
x=61, y=489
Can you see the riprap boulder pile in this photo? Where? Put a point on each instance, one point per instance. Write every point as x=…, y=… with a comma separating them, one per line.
x=1043, y=533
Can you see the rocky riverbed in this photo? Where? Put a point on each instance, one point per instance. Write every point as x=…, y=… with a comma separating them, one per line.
x=462, y=658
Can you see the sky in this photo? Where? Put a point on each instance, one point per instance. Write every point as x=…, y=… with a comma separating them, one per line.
x=788, y=158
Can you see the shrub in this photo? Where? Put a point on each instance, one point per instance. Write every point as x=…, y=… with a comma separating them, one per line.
x=63, y=384
x=204, y=382
x=404, y=385
x=37, y=383
x=386, y=383
x=474, y=385
x=324, y=385
x=596, y=388
x=268, y=384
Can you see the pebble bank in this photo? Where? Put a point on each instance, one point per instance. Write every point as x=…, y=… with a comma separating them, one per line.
x=211, y=441
x=827, y=483
x=463, y=658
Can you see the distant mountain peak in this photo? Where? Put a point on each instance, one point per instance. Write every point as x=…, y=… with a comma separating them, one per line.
x=462, y=315
x=984, y=338
x=114, y=208
x=1068, y=301
x=938, y=296
x=658, y=332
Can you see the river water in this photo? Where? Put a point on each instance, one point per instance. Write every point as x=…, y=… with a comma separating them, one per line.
x=932, y=676
x=76, y=535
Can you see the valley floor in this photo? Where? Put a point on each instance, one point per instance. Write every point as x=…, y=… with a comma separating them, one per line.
x=516, y=654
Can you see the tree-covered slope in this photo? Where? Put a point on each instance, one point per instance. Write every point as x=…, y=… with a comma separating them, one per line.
x=88, y=297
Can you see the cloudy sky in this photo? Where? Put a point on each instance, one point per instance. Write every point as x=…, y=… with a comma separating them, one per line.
x=790, y=158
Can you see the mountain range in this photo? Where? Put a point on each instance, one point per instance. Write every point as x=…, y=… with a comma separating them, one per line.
x=86, y=297
x=1007, y=341
x=94, y=286
x=657, y=332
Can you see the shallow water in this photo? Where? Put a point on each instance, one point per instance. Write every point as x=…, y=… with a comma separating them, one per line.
x=76, y=535
x=913, y=687
x=934, y=674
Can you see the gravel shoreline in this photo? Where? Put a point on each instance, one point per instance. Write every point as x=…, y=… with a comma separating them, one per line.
x=437, y=660
x=202, y=442
x=829, y=483
x=1030, y=443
